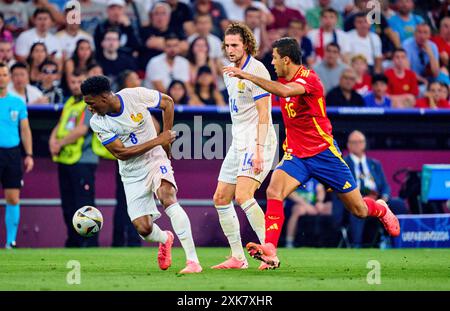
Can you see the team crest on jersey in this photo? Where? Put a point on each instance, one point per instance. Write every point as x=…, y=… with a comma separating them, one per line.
x=14, y=115
x=137, y=118
x=241, y=86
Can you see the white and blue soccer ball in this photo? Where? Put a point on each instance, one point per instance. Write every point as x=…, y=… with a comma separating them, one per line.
x=87, y=221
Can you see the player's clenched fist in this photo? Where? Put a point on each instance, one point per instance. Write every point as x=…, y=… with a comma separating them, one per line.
x=167, y=137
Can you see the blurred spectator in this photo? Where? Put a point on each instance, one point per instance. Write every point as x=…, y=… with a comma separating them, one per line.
x=343, y=7
x=235, y=10
x=442, y=41
x=116, y=18
x=435, y=97
x=5, y=34
x=203, y=28
x=283, y=15
x=308, y=199
x=272, y=36
x=112, y=60
x=404, y=22
x=177, y=90
x=328, y=33
x=313, y=15
x=14, y=131
x=6, y=53
x=363, y=78
x=57, y=16
x=359, y=8
x=378, y=97
x=92, y=14
x=70, y=145
x=297, y=30
x=49, y=82
x=344, y=94
x=70, y=35
x=423, y=54
x=430, y=11
x=198, y=56
x=255, y=21
x=330, y=69
x=153, y=36
x=15, y=15
x=81, y=58
x=94, y=69
x=206, y=89
x=181, y=15
x=301, y=5
x=43, y=21
x=22, y=88
x=372, y=182
x=366, y=43
x=137, y=14
x=217, y=13
x=164, y=68
x=38, y=54
x=402, y=82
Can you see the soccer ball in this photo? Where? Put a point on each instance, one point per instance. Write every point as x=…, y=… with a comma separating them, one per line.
x=87, y=221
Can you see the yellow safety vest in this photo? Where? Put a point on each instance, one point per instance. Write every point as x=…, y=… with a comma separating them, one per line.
x=101, y=150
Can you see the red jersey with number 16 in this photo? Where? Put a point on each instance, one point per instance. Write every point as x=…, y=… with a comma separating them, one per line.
x=308, y=129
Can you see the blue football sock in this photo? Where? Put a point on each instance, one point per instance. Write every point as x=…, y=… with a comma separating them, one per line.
x=12, y=216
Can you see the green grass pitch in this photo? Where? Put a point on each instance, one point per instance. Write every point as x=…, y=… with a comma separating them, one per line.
x=301, y=269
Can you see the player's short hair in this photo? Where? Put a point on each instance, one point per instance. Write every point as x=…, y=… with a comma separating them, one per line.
x=246, y=35
x=329, y=10
x=289, y=47
x=95, y=86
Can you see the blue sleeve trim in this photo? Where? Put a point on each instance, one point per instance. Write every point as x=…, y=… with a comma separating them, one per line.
x=110, y=140
x=261, y=96
x=159, y=100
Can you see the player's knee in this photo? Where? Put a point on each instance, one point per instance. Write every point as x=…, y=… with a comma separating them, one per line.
x=220, y=198
x=273, y=193
x=144, y=228
x=242, y=197
x=12, y=201
x=168, y=197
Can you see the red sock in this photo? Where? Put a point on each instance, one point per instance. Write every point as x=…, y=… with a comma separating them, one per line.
x=274, y=221
x=373, y=208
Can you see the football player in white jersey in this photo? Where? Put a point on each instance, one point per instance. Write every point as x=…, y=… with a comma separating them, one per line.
x=253, y=148
x=123, y=123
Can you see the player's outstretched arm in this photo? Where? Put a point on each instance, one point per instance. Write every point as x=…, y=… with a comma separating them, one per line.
x=274, y=87
x=123, y=153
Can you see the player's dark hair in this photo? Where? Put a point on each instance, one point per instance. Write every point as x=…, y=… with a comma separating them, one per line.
x=19, y=65
x=95, y=86
x=289, y=47
x=379, y=78
x=329, y=10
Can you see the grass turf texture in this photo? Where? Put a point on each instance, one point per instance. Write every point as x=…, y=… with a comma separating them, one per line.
x=301, y=269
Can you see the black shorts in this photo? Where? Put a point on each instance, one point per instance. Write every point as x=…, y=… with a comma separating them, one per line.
x=11, y=168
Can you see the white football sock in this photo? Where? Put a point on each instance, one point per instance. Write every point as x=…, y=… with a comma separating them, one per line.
x=182, y=226
x=256, y=217
x=230, y=226
x=157, y=235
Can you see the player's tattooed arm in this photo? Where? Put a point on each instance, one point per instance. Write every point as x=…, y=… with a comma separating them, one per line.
x=274, y=87
x=123, y=153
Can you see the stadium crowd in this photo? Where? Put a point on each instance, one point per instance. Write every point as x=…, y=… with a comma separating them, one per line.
x=396, y=57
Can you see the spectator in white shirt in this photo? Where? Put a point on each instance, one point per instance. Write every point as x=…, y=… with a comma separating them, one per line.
x=20, y=86
x=168, y=66
x=236, y=9
x=366, y=43
x=40, y=33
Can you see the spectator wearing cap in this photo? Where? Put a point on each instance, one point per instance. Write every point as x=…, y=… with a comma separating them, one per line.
x=283, y=15
x=423, y=54
x=181, y=16
x=217, y=13
x=402, y=82
x=168, y=66
x=153, y=36
x=378, y=96
x=327, y=33
x=116, y=18
x=49, y=82
x=15, y=15
x=21, y=87
x=92, y=14
x=40, y=33
x=206, y=89
x=71, y=34
x=112, y=60
x=331, y=67
x=366, y=43
x=404, y=21
x=344, y=95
